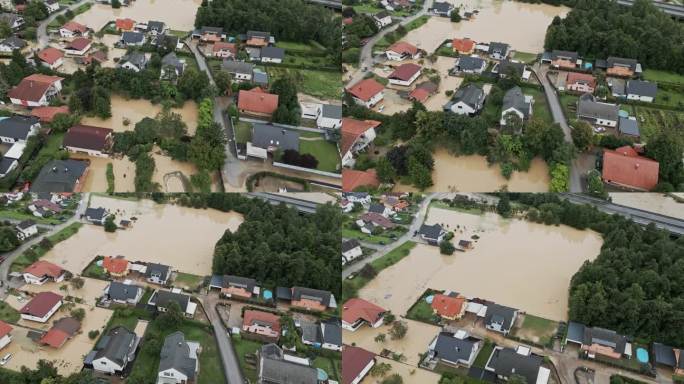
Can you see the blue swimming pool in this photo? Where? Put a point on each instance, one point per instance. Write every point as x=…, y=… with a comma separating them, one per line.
x=642, y=355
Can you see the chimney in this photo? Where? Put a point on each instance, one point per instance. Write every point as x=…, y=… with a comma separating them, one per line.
x=636, y=166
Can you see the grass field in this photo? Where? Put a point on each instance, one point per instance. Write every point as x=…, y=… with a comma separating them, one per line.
x=31, y=255
x=292, y=45
x=244, y=347
x=525, y=57
x=537, y=329
x=187, y=280
x=540, y=109
x=663, y=76
x=568, y=103
x=324, y=151
x=19, y=213
x=670, y=97
x=330, y=366
x=243, y=132
x=652, y=121
x=422, y=311
x=8, y=314
x=483, y=356
x=321, y=84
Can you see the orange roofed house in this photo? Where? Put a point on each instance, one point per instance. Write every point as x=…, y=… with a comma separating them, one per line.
x=402, y=50
x=463, y=46
x=42, y=271
x=356, y=312
x=36, y=90
x=73, y=29
x=51, y=57
x=125, y=24
x=367, y=92
x=353, y=179
x=61, y=331
x=115, y=266
x=261, y=323
x=625, y=168
x=450, y=307
x=356, y=136
x=5, y=334
x=257, y=103
x=580, y=82
x=224, y=50
x=47, y=114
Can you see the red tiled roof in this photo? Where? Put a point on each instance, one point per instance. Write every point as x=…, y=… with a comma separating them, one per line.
x=378, y=219
x=50, y=55
x=352, y=129
x=44, y=268
x=574, y=77
x=405, y=72
x=462, y=45
x=403, y=48
x=355, y=309
x=448, y=306
x=33, y=87
x=41, y=304
x=74, y=27
x=221, y=46
x=47, y=204
x=79, y=44
x=259, y=102
x=4, y=329
x=116, y=265
x=419, y=94
x=365, y=89
x=125, y=24
x=250, y=316
x=54, y=338
x=46, y=114
x=354, y=361
x=352, y=179
x=624, y=166
x=87, y=137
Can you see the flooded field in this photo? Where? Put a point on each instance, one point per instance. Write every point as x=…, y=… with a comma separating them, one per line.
x=448, y=83
x=164, y=233
x=89, y=293
x=521, y=25
x=653, y=202
x=408, y=373
x=473, y=174
x=96, y=181
x=512, y=264
x=136, y=110
x=177, y=14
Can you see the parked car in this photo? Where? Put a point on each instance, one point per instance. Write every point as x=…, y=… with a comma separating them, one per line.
x=5, y=359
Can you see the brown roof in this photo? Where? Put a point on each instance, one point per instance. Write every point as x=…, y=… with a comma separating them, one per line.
x=87, y=137
x=359, y=309
x=352, y=179
x=44, y=268
x=41, y=304
x=46, y=114
x=79, y=43
x=462, y=45
x=116, y=265
x=60, y=332
x=625, y=167
x=352, y=129
x=405, y=72
x=220, y=46
x=74, y=27
x=419, y=94
x=378, y=219
x=4, y=329
x=365, y=89
x=448, y=306
x=354, y=361
x=257, y=101
x=403, y=48
x=574, y=77
x=33, y=87
x=50, y=55
x=252, y=316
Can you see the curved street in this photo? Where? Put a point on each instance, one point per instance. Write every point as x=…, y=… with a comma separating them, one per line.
x=42, y=37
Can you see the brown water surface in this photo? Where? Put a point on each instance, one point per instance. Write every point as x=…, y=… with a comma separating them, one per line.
x=177, y=14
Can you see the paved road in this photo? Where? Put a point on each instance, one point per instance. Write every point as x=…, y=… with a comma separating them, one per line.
x=232, y=167
x=366, y=57
x=41, y=33
x=231, y=366
x=559, y=117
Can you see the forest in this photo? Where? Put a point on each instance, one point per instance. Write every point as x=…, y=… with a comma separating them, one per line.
x=46, y=372
x=275, y=244
x=600, y=28
x=635, y=285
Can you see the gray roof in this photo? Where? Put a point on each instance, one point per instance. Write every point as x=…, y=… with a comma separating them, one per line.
x=496, y=47
x=500, y=314
x=59, y=176
x=588, y=107
x=377, y=208
x=350, y=244
x=331, y=111
x=175, y=354
x=273, y=52
x=322, y=297
x=264, y=135
x=157, y=269
x=95, y=213
x=605, y=337
x=567, y=55
x=157, y=26
x=357, y=195
x=238, y=281
x=171, y=60
x=123, y=292
x=453, y=349
x=136, y=58
x=665, y=355
x=262, y=34
x=116, y=345
x=507, y=67
x=206, y=29
x=166, y=40
x=332, y=332
x=26, y=224
x=442, y=6
x=430, y=231
x=575, y=332
x=17, y=127
x=233, y=66
x=641, y=88
x=260, y=77
x=469, y=63
x=273, y=368
x=507, y=362
x=381, y=15
x=14, y=42
x=164, y=298
x=514, y=98
x=471, y=95
x=311, y=332
x=129, y=37
x=629, y=126
x=613, y=61
x=9, y=18
x=283, y=293
x=5, y=164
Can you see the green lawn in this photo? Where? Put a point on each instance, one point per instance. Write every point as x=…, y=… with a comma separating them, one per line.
x=356, y=234
x=417, y=23
x=670, y=97
x=663, y=76
x=95, y=271
x=540, y=109
x=244, y=347
x=367, y=8
x=20, y=213
x=422, y=311
x=569, y=104
x=330, y=366
x=324, y=151
x=127, y=317
x=321, y=84
x=293, y=45
x=187, y=280
x=525, y=57
x=443, y=205
x=483, y=356
x=537, y=329
x=652, y=121
x=31, y=255
x=8, y=314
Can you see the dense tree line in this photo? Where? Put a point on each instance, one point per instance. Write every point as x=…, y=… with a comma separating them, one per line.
x=602, y=28
x=635, y=285
x=288, y=111
x=290, y=20
x=275, y=244
x=8, y=237
x=45, y=373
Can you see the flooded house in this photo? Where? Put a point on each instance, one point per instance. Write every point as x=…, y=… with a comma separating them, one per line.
x=449, y=306
x=114, y=351
x=351, y=250
x=123, y=293
x=463, y=46
x=41, y=272
x=61, y=331
x=457, y=349
x=499, y=318
x=405, y=74
x=357, y=364
x=61, y=176
x=78, y=46
x=5, y=334
x=41, y=307
x=595, y=341
x=96, y=215
x=36, y=90
x=265, y=325
x=442, y=8
x=401, y=51
x=517, y=104
x=116, y=266
x=356, y=136
x=157, y=273
x=432, y=234
x=257, y=103
x=367, y=92
x=357, y=312
x=506, y=362
x=498, y=51
x=125, y=24
x=156, y=27
x=89, y=140
x=178, y=362
x=468, y=100
x=50, y=57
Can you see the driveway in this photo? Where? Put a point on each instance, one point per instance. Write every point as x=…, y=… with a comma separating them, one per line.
x=229, y=359
x=41, y=33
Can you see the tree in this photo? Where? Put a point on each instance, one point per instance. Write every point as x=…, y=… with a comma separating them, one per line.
x=421, y=176
x=77, y=282
x=109, y=224
x=595, y=186
x=455, y=16
x=560, y=178
x=446, y=248
x=223, y=82
x=389, y=318
x=380, y=369
x=193, y=83
x=5, y=30
x=394, y=378
x=667, y=148
x=380, y=338
x=173, y=317
x=517, y=379
x=63, y=121
x=503, y=207
x=385, y=171
x=398, y=330
x=582, y=134
x=78, y=314
x=116, y=4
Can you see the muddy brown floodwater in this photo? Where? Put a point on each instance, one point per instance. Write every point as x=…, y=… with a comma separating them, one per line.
x=473, y=174
x=653, y=202
x=178, y=236
x=521, y=25
x=516, y=263
x=179, y=15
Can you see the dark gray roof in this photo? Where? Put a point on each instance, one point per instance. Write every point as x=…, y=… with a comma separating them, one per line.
x=665, y=355
x=377, y=208
x=26, y=224
x=164, y=298
x=95, y=213
x=59, y=176
x=136, y=58
x=238, y=281
x=587, y=106
x=129, y=37
x=273, y=368
x=350, y=244
x=442, y=6
x=17, y=127
x=567, y=55
x=14, y=42
x=322, y=297
x=430, y=231
x=123, y=292
x=116, y=345
x=5, y=164
x=507, y=362
x=605, y=337
x=157, y=26
x=166, y=40
x=9, y=18
x=233, y=66
x=264, y=135
x=357, y=195
x=515, y=98
x=469, y=63
x=496, y=47
x=575, y=332
x=332, y=332
x=262, y=34
x=273, y=52
x=284, y=293
x=331, y=111
x=171, y=60
x=217, y=30
x=642, y=88
x=507, y=67
x=175, y=354
x=612, y=61
x=500, y=314
x=311, y=332
x=471, y=95
x=453, y=349
x=157, y=269
x=629, y=126
x=260, y=77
